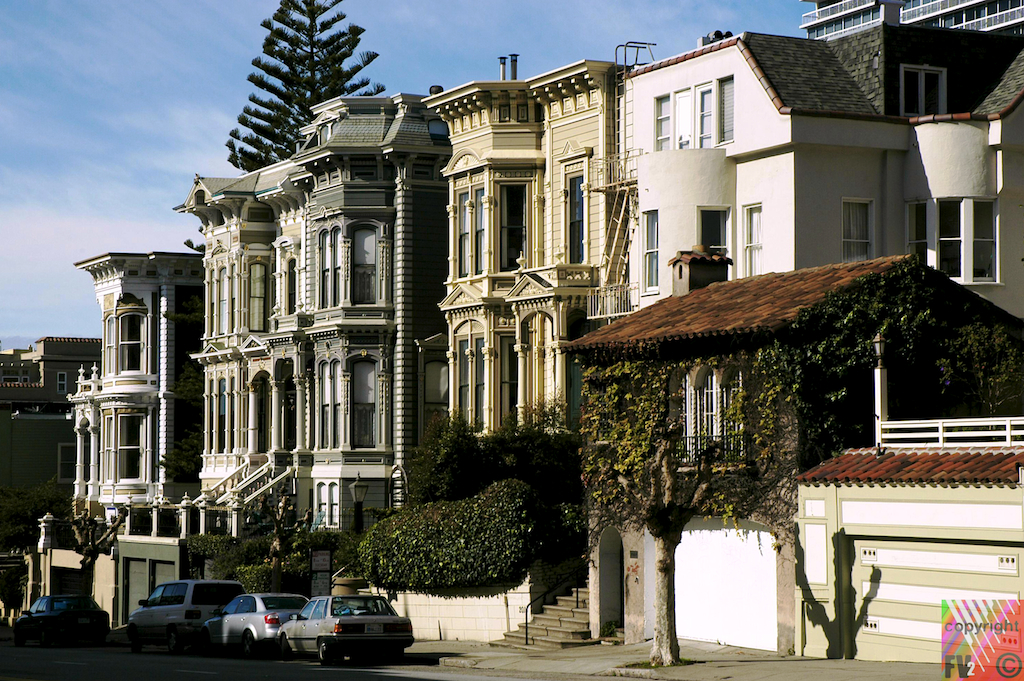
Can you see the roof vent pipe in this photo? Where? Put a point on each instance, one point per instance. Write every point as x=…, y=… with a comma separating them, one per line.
x=513, y=59
x=501, y=68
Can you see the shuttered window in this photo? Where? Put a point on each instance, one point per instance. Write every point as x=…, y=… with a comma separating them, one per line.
x=725, y=109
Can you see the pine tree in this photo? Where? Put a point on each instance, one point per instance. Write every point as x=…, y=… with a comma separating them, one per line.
x=303, y=65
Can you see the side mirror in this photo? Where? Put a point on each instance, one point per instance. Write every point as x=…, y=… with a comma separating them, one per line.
x=293, y=616
x=143, y=602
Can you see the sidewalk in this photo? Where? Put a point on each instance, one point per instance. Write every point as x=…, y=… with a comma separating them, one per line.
x=711, y=662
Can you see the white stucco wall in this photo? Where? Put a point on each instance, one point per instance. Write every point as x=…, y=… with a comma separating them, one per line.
x=476, y=618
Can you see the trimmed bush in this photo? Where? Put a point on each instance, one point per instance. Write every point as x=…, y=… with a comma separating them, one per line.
x=255, y=578
x=479, y=542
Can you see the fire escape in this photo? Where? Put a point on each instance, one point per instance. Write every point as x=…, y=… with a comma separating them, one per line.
x=615, y=177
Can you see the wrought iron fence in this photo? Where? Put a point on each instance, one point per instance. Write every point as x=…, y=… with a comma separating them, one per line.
x=725, y=448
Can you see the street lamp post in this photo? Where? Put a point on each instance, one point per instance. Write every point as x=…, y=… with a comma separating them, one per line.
x=881, y=388
x=358, y=491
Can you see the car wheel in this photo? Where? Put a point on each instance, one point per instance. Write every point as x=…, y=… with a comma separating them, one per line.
x=398, y=654
x=133, y=639
x=286, y=649
x=248, y=644
x=174, y=642
x=325, y=653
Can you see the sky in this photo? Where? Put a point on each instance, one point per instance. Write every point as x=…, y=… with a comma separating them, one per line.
x=108, y=109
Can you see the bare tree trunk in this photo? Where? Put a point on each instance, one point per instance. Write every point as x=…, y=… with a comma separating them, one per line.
x=665, y=647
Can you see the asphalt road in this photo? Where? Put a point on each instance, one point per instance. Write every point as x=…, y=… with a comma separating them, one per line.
x=114, y=663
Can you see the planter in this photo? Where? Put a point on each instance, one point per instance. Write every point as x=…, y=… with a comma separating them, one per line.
x=346, y=586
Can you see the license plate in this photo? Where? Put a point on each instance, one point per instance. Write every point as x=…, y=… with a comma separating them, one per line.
x=374, y=628
x=83, y=620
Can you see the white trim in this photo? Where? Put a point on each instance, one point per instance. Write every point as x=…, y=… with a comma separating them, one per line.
x=927, y=514
x=930, y=595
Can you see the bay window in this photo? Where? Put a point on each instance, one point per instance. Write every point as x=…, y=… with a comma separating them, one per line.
x=856, y=231
x=364, y=378
x=130, y=342
x=257, y=297
x=577, y=237
x=129, y=446
x=513, y=225
x=463, y=249
x=364, y=267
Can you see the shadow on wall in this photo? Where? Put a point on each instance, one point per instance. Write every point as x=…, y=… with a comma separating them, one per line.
x=844, y=600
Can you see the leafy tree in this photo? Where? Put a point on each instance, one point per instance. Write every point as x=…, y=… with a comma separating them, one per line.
x=985, y=368
x=304, y=64
x=21, y=508
x=452, y=463
x=91, y=540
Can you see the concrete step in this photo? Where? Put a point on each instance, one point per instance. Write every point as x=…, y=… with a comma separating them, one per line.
x=556, y=622
x=556, y=632
x=568, y=613
x=516, y=638
x=570, y=602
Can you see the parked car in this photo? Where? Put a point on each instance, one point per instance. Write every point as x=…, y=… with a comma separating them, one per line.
x=250, y=621
x=62, y=619
x=175, y=612
x=357, y=626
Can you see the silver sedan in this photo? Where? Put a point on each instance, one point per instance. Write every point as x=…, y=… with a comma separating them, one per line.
x=251, y=621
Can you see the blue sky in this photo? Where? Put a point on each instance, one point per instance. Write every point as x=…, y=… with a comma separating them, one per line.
x=108, y=109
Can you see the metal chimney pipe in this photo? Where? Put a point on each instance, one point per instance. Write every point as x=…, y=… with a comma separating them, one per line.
x=501, y=68
x=513, y=59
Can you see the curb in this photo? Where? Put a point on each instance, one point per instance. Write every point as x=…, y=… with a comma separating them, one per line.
x=465, y=662
x=631, y=673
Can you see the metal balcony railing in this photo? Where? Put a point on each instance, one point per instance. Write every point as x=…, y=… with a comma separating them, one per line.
x=928, y=9
x=726, y=448
x=609, y=302
x=994, y=21
x=834, y=10
x=615, y=169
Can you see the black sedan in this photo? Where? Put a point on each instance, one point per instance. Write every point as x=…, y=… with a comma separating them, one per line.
x=62, y=619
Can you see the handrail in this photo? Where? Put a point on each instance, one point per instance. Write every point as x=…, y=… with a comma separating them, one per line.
x=249, y=479
x=558, y=585
x=287, y=471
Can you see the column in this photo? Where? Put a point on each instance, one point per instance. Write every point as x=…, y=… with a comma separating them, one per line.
x=94, y=458
x=488, y=418
x=521, y=351
x=559, y=383
x=253, y=414
x=275, y=414
x=300, y=413
x=80, y=460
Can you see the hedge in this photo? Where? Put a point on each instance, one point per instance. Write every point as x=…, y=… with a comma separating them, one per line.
x=483, y=541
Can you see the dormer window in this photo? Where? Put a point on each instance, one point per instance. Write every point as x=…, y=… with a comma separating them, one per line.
x=922, y=90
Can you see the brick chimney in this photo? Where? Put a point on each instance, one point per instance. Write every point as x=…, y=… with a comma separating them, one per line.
x=696, y=269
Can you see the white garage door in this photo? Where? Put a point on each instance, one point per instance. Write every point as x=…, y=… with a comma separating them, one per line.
x=726, y=585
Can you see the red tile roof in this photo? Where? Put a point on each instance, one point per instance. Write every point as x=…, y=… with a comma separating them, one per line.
x=766, y=303
x=924, y=466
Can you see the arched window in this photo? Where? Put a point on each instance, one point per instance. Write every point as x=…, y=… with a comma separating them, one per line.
x=321, y=503
x=257, y=297
x=336, y=267
x=130, y=342
x=364, y=267
x=292, y=287
x=364, y=378
x=334, y=510
x=222, y=291
x=324, y=252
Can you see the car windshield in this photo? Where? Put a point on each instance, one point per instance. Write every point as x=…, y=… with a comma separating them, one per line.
x=283, y=602
x=366, y=605
x=74, y=603
x=215, y=594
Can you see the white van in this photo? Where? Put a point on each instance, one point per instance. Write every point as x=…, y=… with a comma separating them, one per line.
x=175, y=612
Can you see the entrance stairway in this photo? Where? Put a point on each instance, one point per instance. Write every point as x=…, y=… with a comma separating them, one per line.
x=562, y=625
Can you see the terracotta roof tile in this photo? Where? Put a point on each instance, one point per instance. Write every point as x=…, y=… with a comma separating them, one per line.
x=923, y=466
x=765, y=303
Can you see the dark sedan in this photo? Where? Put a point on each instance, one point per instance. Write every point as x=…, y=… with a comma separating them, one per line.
x=61, y=620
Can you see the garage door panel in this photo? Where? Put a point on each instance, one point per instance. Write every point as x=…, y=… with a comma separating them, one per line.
x=726, y=585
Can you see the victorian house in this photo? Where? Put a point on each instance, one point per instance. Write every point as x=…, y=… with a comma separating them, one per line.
x=532, y=235
x=321, y=273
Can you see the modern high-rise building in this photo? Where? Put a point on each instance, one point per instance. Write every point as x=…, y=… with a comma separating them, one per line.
x=835, y=18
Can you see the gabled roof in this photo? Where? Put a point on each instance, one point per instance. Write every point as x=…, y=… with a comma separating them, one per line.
x=924, y=466
x=742, y=307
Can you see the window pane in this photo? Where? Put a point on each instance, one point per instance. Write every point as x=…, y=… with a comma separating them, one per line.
x=463, y=212
x=651, y=250
x=131, y=328
x=949, y=219
x=684, y=119
x=663, y=119
x=712, y=228
x=576, y=236
x=984, y=241
x=911, y=92
x=984, y=220
x=478, y=245
x=753, y=242
x=705, y=118
x=931, y=92
x=364, y=269
x=725, y=110
x=513, y=224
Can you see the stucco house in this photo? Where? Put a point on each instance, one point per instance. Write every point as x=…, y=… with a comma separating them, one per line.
x=706, y=334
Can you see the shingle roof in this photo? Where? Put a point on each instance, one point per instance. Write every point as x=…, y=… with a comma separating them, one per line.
x=68, y=339
x=807, y=75
x=764, y=303
x=360, y=130
x=925, y=466
x=1007, y=92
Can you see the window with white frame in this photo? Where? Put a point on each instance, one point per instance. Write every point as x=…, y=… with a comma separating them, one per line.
x=334, y=507
x=130, y=342
x=705, y=116
x=917, y=230
x=257, y=297
x=967, y=233
x=364, y=267
x=856, y=231
x=222, y=415
x=684, y=119
x=577, y=236
x=712, y=227
x=752, y=245
x=62, y=382
x=435, y=391
x=705, y=405
x=110, y=349
x=337, y=397
x=464, y=219
x=662, y=123
x=726, y=89
x=364, y=405
x=222, y=296
x=129, y=446
x=479, y=235
x=324, y=254
x=336, y=262
x=509, y=359
x=292, y=287
x=650, y=259
x=513, y=225
x=479, y=384
x=922, y=90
